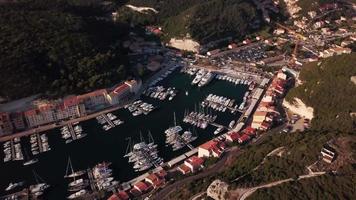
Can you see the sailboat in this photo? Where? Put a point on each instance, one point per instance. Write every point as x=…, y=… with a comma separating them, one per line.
x=29, y=161
x=73, y=173
x=40, y=187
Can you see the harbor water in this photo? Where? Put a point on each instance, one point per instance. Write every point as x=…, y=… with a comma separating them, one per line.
x=110, y=146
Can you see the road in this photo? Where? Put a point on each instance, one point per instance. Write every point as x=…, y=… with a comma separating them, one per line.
x=249, y=191
x=165, y=192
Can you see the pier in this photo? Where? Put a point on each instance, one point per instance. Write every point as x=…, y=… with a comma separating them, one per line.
x=71, y=130
x=12, y=150
x=218, y=125
x=39, y=142
x=91, y=180
x=106, y=118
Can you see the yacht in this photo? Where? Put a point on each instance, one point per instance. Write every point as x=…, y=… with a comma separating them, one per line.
x=232, y=123
x=218, y=130
x=77, y=194
x=14, y=185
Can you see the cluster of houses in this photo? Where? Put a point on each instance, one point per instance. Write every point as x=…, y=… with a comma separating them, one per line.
x=211, y=149
x=241, y=137
x=334, y=51
x=266, y=111
x=151, y=182
x=46, y=112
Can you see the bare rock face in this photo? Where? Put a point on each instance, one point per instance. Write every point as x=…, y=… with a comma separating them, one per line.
x=218, y=190
x=353, y=79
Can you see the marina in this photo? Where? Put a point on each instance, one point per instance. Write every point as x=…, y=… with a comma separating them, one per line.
x=98, y=147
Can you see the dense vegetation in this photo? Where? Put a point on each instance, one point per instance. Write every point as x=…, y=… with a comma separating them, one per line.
x=58, y=48
x=327, y=88
x=203, y=20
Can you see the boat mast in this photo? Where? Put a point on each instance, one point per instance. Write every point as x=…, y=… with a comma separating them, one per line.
x=37, y=177
x=150, y=137
x=128, y=145
x=174, y=117
x=141, y=137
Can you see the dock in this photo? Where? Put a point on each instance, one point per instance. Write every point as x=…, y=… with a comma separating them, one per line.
x=39, y=142
x=218, y=125
x=106, y=118
x=71, y=130
x=12, y=150
x=91, y=180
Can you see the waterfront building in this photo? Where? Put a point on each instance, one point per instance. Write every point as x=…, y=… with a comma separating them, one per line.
x=244, y=138
x=211, y=148
x=43, y=114
x=141, y=187
x=94, y=101
x=5, y=124
x=18, y=120
x=194, y=163
x=50, y=112
x=232, y=137
x=119, y=94
x=184, y=169
x=155, y=180
x=121, y=195
x=70, y=108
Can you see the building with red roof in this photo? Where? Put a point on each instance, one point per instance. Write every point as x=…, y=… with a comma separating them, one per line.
x=154, y=180
x=5, y=124
x=184, y=169
x=232, y=137
x=94, y=100
x=18, y=120
x=122, y=195
x=250, y=131
x=194, y=163
x=141, y=187
x=210, y=149
x=244, y=138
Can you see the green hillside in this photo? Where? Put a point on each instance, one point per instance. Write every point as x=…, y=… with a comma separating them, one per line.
x=327, y=88
x=203, y=20
x=56, y=48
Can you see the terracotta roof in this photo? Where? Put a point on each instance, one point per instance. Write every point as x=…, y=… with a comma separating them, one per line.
x=30, y=112
x=234, y=136
x=92, y=94
x=195, y=161
x=249, y=130
x=123, y=195
x=121, y=88
x=209, y=145
x=141, y=186
x=244, y=138
x=71, y=101
x=184, y=168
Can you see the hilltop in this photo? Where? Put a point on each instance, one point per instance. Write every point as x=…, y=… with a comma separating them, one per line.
x=326, y=87
x=202, y=20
